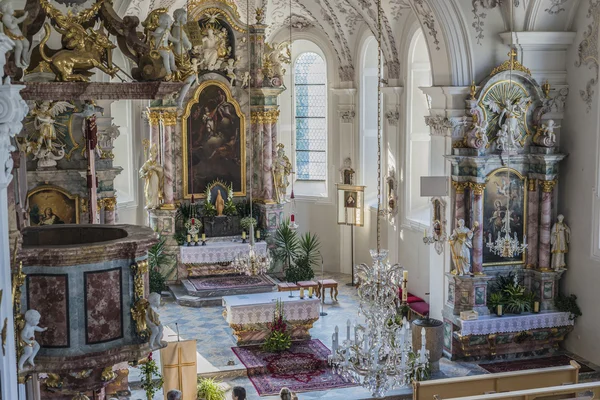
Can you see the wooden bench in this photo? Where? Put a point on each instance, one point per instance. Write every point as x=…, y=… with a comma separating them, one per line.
x=328, y=284
x=310, y=284
x=287, y=287
x=502, y=382
x=578, y=391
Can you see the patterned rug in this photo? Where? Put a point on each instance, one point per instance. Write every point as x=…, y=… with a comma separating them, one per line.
x=520, y=365
x=302, y=368
x=230, y=282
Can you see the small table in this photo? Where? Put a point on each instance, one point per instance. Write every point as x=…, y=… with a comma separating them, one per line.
x=249, y=316
x=287, y=287
x=331, y=285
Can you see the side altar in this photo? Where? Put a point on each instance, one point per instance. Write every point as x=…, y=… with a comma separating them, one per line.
x=507, y=255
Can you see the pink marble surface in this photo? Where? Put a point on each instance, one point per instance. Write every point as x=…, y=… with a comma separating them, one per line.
x=532, y=227
x=48, y=294
x=267, y=163
x=104, y=320
x=459, y=206
x=168, y=166
x=545, y=221
x=477, y=264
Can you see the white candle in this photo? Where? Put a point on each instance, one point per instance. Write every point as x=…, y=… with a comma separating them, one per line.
x=348, y=330
x=333, y=344
x=355, y=332
x=405, y=275
x=243, y=234
x=204, y=237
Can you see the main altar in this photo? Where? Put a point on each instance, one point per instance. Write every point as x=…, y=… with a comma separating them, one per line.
x=507, y=254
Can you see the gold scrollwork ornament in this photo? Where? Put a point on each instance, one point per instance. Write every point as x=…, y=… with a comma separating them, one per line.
x=548, y=186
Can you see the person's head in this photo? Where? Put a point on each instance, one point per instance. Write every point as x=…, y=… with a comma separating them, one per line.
x=239, y=393
x=174, y=395
x=165, y=20
x=285, y=394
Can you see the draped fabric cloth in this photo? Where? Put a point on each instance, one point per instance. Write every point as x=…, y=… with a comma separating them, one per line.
x=179, y=368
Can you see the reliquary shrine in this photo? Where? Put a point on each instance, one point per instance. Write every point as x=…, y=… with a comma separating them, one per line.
x=505, y=177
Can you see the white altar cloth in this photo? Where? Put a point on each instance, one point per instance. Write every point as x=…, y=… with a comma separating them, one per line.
x=258, y=308
x=216, y=252
x=486, y=325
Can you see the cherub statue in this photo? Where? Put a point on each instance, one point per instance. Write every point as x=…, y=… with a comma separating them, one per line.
x=246, y=80
x=282, y=168
x=153, y=174
x=162, y=39
x=27, y=336
x=275, y=56
x=560, y=236
x=182, y=44
x=230, y=69
x=153, y=321
x=12, y=30
x=43, y=143
x=509, y=112
x=502, y=138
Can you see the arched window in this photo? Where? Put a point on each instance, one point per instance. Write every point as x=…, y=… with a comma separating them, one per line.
x=418, y=151
x=310, y=88
x=368, y=120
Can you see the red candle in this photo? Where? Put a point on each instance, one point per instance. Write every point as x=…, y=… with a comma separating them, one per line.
x=192, y=199
x=292, y=218
x=192, y=221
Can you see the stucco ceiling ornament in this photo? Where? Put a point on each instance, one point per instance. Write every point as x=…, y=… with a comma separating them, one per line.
x=557, y=102
x=556, y=8
x=426, y=14
x=397, y=7
x=588, y=52
x=478, y=12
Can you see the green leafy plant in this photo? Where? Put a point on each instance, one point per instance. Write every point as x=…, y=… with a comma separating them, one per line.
x=230, y=208
x=517, y=299
x=185, y=211
x=568, y=304
x=156, y=261
x=286, y=244
x=209, y=389
x=247, y=223
x=151, y=385
x=494, y=300
x=308, y=250
x=180, y=237
x=279, y=339
x=297, y=254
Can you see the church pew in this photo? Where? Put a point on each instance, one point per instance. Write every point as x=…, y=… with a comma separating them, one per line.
x=496, y=383
x=589, y=390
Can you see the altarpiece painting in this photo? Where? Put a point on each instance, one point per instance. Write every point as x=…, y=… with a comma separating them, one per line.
x=504, y=203
x=50, y=205
x=214, y=141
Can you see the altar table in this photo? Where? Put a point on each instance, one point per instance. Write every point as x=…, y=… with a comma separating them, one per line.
x=250, y=315
x=486, y=325
x=214, y=258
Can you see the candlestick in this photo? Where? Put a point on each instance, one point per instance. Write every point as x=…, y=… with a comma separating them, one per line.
x=424, y=233
x=258, y=234
x=310, y=292
x=301, y=292
x=536, y=306
x=337, y=337
x=499, y=310
x=348, y=330
x=333, y=344
x=204, y=237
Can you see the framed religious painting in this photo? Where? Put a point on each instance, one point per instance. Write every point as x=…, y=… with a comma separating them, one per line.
x=351, y=202
x=504, y=206
x=214, y=141
x=51, y=205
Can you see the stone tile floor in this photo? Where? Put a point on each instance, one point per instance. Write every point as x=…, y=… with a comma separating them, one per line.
x=215, y=339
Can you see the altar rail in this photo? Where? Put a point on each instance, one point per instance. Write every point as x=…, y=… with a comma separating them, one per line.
x=501, y=382
x=581, y=391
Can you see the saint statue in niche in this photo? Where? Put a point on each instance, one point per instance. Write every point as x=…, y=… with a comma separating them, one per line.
x=560, y=236
x=214, y=141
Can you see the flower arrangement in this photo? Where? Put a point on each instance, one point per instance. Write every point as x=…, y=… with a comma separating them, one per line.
x=230, y=208
x=279, y=339
x=150, y=385
x=247, y=223
x=209, y=208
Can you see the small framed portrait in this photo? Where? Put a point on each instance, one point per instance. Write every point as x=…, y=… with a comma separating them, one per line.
x=350, y=199
x=51, y=205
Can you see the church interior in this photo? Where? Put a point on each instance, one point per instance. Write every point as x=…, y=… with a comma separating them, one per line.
x=299, y=199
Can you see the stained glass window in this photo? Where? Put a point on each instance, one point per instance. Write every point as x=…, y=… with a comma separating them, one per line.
x=310, y=84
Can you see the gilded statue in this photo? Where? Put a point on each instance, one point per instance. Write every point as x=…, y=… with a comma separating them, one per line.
x=274, y=58
x=153, y=174
x=560, y=236
x=219, y=203
x=43, y=143
x=161, y=39
x=282, y=168
x=460, y=247
x=12, y=30
x=85, y=50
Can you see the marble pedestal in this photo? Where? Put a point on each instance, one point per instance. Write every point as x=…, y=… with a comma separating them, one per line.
x=273, y=214
x=467, y=293
x=544, y=284
x=162, y=221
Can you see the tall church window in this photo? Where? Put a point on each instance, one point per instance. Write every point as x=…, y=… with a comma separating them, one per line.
x=418, y=152
x=310, y=88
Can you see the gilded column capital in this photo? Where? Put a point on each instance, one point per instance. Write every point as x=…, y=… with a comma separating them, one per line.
x=154, y=117
x=264, y=117
x=477, y=188
x=460, y=186
x=533, y=184
x=169, y=118
x=110, y=203
x=548, y=186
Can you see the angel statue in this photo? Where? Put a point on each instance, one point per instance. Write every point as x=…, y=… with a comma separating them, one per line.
x=282, y=168
x=153, y=175
x=275, y=56
x=509, y=113
x=43, y=144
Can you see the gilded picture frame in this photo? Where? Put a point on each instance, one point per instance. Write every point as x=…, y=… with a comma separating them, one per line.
x=225, y=161
x=52, y=205
x=496, y=202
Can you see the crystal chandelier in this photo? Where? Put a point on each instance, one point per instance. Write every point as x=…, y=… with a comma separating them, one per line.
x=252, y=264
x=380, y=356
x=507, y=245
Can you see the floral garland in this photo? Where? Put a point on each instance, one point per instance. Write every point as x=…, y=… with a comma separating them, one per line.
x=148, y=382
x=279, y=339
x=247, y=223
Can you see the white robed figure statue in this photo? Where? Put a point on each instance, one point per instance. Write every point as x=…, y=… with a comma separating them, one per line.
x=460, y=246
x=560, y=236
x=153, y=175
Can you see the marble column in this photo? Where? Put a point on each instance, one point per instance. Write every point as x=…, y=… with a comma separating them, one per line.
x=477, y=261
x=532, y=223
x=265, y=144
x=169, y=122
x=14, y=109
x=267, y=160
x=545, y=221
x=110, y=204
x=459, y=200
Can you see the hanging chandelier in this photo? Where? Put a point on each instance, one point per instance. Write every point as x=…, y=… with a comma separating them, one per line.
x=379, y=356
x=507, y=245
